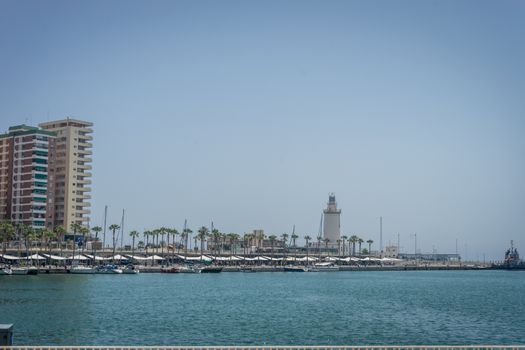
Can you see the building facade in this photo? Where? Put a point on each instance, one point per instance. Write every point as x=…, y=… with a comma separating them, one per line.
x=71, y=171
x=26, y=184
x=332, y=222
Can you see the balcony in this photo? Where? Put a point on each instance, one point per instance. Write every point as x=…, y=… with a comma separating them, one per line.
x=83, y=174
x=83, y=211
x=84, y=144
x=84, y=182
x=85, y=130
x=84, y=137
x=84, y=166
x=84, y=151
x=82, y=204
x=83, y=189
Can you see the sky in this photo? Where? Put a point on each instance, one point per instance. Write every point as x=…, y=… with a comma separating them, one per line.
x=249, y=113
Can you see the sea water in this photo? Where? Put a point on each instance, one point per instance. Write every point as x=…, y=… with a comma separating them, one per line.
x=274, y=308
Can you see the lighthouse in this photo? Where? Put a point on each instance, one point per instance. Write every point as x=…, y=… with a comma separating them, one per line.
x=332, y=221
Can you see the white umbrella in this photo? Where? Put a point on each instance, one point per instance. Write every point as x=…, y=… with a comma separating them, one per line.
x=54, y=257
x=8, y=257
x=155, y=257
x=119, y=257
x=96, y=258
x=136, y=257
x=78, y=257
x=35, y=257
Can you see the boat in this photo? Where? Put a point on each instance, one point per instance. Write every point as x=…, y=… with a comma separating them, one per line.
x=247, y=269
x=19, y=270
x=189, y=269
x=171, y=269
x=130, y=269
x=295, y=269
x=323, y=267
x=211, y=269
x=512, y=259
x=32, y=271
x=6, y=271
x=82, y=270
x=108, y=269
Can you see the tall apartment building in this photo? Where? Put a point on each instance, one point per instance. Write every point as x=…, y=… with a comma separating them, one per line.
x=26, y=190
x=71, y=171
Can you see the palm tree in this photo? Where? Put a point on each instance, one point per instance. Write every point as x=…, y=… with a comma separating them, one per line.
x=353, y=239
x=20, y=232
x=326, y=241
x=76, y=228
x=113, y=228
x=60, y=232
x=338, y=247
x=156, y=234
x=162, y=232
x=216, y=236
x=146, y=235
x=307, y=239
x=174, y=234
x=360, y=241
x=203, y=233
x=186, y=233
x=29, y=235
x=83, y=231
x=284, y=238
x=223, y=241
x=8, y=231
x=49, y=235
x=133, y=234
x=97, y=230
x=272, y=239
x=370, y=246
x=344, y=238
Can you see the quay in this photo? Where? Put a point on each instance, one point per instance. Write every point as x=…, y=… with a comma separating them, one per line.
x=277, y=347
x=262, y=268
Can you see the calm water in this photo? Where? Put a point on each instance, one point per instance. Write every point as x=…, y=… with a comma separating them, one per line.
x=416, y=307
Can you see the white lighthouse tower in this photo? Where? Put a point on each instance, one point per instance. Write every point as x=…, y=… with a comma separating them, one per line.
x=332, y=221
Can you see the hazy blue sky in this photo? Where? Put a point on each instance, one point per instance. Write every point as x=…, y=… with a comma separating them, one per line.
x=249, y=113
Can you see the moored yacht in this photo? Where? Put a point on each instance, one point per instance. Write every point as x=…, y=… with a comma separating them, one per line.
x=108, y=269
x=130, y=269
x=82, y=270
x=6, y=271
x=19, y=270
x=324, y=267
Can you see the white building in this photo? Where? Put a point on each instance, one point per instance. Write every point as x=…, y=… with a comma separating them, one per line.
x=391, y=251
x=332, y=222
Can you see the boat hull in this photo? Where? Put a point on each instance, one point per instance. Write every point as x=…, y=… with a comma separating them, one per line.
x=6, y=272
x=82, y=271
x=211, y=269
